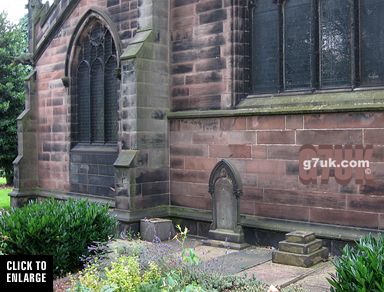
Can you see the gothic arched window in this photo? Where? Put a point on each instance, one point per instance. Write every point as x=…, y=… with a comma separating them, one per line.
x=95, y=88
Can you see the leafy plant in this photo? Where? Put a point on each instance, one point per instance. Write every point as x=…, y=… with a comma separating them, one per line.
x=58, y=228
x=158, y=267
x=188, y=254
x=360, y=268
x=122, y=274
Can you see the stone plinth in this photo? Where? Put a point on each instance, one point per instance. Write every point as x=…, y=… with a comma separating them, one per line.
x=300, y=249
x=156, y=229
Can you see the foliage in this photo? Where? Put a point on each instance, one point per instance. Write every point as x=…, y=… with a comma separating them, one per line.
x=61, y=229
x=187, y=254
x=164, y=267
x=360, y=268
x=122, y=274
x=4, y=198
x=3, y=244
x=13, y=43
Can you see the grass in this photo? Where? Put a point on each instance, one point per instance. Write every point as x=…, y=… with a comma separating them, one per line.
x=4, y=198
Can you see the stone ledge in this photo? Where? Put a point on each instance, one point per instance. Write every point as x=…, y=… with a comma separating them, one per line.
x=325, y=231
x=135, y=216
x=330, y=102
x=136, y=44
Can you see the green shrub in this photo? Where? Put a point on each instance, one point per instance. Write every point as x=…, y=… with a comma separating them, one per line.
x=122, y=274
x=360, y=268
x=62, y=229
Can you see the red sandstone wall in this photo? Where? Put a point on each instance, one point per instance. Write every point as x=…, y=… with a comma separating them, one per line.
x=54, y=98
x=201, y=62
x=265, y=149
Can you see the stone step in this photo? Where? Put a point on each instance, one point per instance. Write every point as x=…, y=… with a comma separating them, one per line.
x=225, y=244
x=300, y=237
x=300, y=260
x=300, y=248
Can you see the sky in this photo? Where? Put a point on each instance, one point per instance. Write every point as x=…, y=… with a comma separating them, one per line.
x=15, y=8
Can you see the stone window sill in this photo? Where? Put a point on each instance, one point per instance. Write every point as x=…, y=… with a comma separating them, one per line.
x=94, y=148
x=318, y=102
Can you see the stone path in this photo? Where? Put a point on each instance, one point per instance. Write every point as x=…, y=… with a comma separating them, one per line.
x=255, y=261
x=311, y=279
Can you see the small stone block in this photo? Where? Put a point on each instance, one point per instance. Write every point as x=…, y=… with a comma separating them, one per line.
x=300, y=237
x=156, y=229
x=300, y=260
x=300, y=248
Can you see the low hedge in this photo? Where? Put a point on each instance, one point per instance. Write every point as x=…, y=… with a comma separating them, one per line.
x=63, y=229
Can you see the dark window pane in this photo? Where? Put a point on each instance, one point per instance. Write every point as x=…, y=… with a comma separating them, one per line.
x=372, y=42
x=298, y=43
x=335, y=42
x=97, y=87
x=108, y=44
x=110, y=101
x=97, y=102
x=86, y=50
x=97, y=34
x=100, y=52
x=83, y=84
x=265, y=47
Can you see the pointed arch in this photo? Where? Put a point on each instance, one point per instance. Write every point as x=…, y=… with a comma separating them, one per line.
x=231, y=172
x=92, y=14
x=92, y=61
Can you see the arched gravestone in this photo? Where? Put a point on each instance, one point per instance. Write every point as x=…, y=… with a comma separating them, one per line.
x=225, y=188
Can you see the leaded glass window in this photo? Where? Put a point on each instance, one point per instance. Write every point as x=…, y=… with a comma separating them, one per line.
x=305, y=45
x=96, y=86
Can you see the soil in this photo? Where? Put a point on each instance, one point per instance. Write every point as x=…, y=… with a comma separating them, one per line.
x=61, y=284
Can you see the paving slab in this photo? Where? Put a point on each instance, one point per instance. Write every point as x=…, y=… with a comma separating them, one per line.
x=206, y=253
x=235, y=262
x=317, y=282
x=276, y=274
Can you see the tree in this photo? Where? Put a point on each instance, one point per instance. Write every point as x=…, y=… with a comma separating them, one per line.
x=13, y=43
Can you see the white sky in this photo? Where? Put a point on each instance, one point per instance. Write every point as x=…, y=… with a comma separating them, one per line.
x=16, y=8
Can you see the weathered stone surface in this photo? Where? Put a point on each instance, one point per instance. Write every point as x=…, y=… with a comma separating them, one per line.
x=225, y=203
x=122, y=202
x=300, y=248
x=300, y=236
x=225, y=187
x=225, y=244
x=300, y=260
x=156, y=229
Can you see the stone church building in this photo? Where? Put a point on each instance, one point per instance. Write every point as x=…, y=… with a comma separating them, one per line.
x=134, y=102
